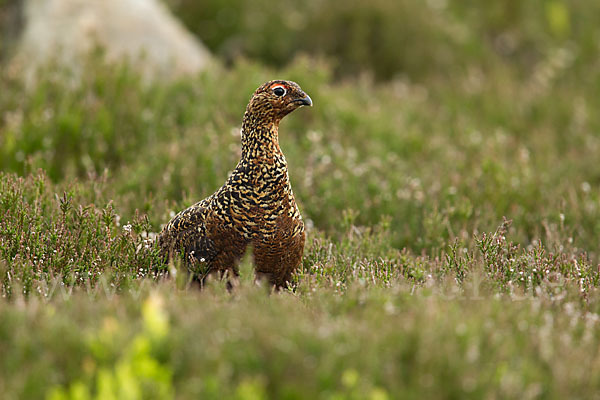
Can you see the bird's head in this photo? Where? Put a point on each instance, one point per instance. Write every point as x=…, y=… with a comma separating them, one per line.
x=274, y=100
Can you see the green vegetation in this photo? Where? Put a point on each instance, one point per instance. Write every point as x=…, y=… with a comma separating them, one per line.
x=451, y=195
x=408, y=38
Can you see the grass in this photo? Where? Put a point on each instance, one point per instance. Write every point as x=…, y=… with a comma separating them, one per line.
x=452, y=219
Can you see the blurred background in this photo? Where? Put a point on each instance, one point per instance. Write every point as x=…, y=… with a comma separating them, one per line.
x=388, y=39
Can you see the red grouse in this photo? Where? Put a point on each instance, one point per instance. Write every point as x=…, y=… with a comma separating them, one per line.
x=255, y=207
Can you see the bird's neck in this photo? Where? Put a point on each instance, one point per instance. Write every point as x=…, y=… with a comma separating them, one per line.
x=260, y=140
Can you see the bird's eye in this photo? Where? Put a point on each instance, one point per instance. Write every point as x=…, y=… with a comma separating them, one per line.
x=278, y=91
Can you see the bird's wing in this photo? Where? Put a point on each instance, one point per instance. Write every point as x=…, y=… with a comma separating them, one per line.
x=187, y=232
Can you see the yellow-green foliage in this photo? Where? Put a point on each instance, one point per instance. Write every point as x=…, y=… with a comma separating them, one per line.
x=134, y=373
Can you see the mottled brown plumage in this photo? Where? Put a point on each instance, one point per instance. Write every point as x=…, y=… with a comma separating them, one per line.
x=255, y=207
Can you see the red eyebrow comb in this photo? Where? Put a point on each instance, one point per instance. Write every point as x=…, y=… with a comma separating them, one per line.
x=273, y=86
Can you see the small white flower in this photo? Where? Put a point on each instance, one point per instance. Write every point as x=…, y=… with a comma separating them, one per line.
x=127, y=228
x=586, y=187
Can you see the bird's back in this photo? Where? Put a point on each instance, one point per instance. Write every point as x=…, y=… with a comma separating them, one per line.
x=186, y=233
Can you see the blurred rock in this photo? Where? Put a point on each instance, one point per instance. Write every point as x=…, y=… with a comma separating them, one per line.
x=143, y=31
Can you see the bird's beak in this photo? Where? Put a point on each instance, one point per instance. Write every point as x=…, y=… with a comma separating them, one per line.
x=306, y=101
